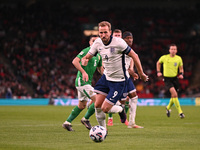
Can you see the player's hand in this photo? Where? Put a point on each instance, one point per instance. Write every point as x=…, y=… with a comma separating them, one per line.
x=84, y=61
x=180, y=76
x=85, y=77
x=159, y=74
x=135, y=76
x=144, y=77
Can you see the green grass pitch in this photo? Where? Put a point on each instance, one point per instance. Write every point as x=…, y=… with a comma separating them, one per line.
x=39, y=128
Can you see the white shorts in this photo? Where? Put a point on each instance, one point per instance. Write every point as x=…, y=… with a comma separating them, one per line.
x=85, y=92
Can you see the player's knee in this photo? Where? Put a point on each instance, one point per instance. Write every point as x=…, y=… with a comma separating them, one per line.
x=105, y=109
x=131, y=95
x=174, y=94
x=82, y=106
x=97, y=105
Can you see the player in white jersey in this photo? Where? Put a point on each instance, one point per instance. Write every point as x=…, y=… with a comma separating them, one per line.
x=117, y=33
x=132, y=95
x=112, y=85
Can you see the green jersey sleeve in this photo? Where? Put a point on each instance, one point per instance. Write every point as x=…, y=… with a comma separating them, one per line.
x=83, y=53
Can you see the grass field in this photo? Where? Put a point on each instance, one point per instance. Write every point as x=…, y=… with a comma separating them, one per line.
x=39, y=128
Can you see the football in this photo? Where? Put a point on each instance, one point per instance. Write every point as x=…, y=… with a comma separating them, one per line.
x=98, y=133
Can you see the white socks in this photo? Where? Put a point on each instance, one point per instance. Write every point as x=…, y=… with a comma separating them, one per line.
x=101, y=117
x=132, y=109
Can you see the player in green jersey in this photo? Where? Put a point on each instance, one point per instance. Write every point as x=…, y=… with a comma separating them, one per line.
x=171, y=64
x=84, y=88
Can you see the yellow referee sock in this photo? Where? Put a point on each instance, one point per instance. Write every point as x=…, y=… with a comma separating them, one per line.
x=171, y=102
x=177, y=104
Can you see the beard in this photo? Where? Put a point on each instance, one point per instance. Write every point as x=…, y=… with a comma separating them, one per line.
x=105, y=40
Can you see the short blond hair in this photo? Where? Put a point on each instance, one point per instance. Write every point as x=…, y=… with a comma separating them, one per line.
x=105, y=23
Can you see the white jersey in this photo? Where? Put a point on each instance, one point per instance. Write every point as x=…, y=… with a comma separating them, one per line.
x=113, y=57
x=128, y=61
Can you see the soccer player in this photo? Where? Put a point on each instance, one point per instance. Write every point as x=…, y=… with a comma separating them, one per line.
x=171, y=64
x=132, y=95
x=84, y=88
x=112, y=85
x=116, y=33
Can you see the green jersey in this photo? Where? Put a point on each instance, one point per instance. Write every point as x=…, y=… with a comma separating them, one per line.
x=170, y=65
x=94, y=62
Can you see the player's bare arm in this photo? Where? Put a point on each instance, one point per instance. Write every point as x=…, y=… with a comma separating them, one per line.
x=100, y=70
x=138, y=65
x=158, y=66
x=84, y=62
x=85, y=59
x=76, y=63
x=131, y=70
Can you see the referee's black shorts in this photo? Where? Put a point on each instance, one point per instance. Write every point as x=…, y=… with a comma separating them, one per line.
x=171, y=82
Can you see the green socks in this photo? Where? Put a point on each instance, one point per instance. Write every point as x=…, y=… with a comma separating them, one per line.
x=90, y=111
x=126, y=106
x=110, y=115
x=75, y=112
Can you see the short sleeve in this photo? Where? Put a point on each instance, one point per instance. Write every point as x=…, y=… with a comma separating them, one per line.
x=161, y=60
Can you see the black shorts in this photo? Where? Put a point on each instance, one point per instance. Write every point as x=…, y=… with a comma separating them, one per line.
x=171, y=82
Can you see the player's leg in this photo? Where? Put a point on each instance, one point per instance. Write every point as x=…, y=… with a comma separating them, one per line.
x=116, y=91
x=171, y=102
x=107, y=107
x=174, y=96
x=132, y=110
x=133, y=98
x=122, y=103
x=110, y=119
x=127, y=105
x=168, y=107
x=102, y=89
x=91, y=110
x=100, y=115
x=88, y=91
x=117, y=108
x=77, y=110
x=176, y=101
x=74, y=113
x=169, y=85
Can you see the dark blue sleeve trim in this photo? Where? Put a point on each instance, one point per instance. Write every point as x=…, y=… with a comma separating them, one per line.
x=127, y=50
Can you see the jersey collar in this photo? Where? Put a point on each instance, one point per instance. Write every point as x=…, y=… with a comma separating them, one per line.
x=109, y=41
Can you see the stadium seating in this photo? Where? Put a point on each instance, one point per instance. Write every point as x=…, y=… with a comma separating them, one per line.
x=40, y=42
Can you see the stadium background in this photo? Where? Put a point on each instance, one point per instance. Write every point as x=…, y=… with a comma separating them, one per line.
x=39, y=39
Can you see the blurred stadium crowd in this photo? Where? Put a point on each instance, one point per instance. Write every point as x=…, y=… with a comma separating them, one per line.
x=38, y=43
